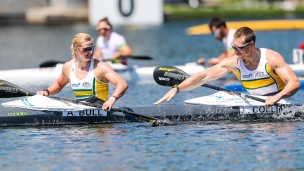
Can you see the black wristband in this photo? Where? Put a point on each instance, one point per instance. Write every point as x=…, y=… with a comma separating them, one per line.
x=177, y=88
x=48, y=92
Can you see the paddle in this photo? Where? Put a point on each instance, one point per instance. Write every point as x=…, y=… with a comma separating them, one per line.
x=10, y=90
x=53, y=63
x=171, y=76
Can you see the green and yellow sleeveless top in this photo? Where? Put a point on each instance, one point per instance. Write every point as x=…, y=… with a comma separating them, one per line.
x=261, y=81
x=89, y=86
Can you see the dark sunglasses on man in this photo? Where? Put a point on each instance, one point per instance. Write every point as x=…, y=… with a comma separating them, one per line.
x=239, y=47
x=216, y=32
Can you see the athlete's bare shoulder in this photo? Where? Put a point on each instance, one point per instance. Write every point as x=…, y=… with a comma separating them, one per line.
x=274, y=59
x=103, y=66
x=229, y=62
x=67, y=66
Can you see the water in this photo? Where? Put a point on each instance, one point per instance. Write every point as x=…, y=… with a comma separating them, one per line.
x=225, y=145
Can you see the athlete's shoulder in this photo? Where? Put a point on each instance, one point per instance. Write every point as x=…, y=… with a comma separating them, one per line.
x=100, y=65
x=117, y=35
x=229, y=62
x=68, y=64
x=274, y=58
x=272, y=54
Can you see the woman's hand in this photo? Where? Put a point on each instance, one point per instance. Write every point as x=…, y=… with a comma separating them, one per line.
x=107, y=106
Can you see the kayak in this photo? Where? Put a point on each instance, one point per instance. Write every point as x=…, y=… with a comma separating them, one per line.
x=239, y=87
x=47, y=75
x=40, y=110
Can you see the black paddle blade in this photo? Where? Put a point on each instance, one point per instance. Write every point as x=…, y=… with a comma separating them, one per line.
x=9, y=90
x=169, y=75
x=50, y=64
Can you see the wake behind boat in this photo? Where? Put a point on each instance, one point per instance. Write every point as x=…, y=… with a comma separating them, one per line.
x=41, y=110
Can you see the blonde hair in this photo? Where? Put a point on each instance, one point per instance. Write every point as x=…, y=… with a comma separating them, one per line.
x=77, y=40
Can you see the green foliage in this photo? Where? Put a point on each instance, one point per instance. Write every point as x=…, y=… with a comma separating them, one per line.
x=230, y=8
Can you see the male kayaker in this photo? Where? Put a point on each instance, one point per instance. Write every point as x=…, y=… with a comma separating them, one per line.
x=261, y=71
x=88, y=76
x=110, y=45
x=220, y=32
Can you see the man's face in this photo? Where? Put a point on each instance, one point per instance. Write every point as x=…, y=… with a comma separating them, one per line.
x=216, y=32
x=241, y=48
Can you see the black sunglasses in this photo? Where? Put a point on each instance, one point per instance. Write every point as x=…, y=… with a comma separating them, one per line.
x=239, y=47
x=88, y=49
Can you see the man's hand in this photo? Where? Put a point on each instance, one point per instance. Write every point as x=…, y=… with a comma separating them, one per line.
x=168, y=96
x=271, y=100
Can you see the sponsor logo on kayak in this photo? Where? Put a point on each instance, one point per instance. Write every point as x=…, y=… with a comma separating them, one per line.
x=76, y=85
x=164, y=79
x=8, y=89
x=26, y=102
x=166, y=69
x=218, y=97
x=261, y=109
x=247, y=76
x=175, y=76
x=86, y=84
x=92, y=112
x=17, y=114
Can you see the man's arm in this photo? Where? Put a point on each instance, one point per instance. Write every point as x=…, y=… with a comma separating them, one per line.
x=284, y=71
x=200, y=78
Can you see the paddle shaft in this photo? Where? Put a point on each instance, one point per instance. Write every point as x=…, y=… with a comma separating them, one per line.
x=53, y=63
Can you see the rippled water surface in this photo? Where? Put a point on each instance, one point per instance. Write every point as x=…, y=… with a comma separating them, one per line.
x=212, y=145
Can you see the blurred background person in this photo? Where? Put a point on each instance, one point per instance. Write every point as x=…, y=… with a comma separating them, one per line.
x=220, y=32
x=111, y=45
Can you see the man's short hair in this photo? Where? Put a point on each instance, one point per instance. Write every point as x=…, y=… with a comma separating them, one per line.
x=217, y=22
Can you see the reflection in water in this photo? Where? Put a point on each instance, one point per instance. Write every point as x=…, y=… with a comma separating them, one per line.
x=125, y=146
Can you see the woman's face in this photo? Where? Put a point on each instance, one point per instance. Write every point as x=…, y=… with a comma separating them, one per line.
x=85, y=51
x=104, y=29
